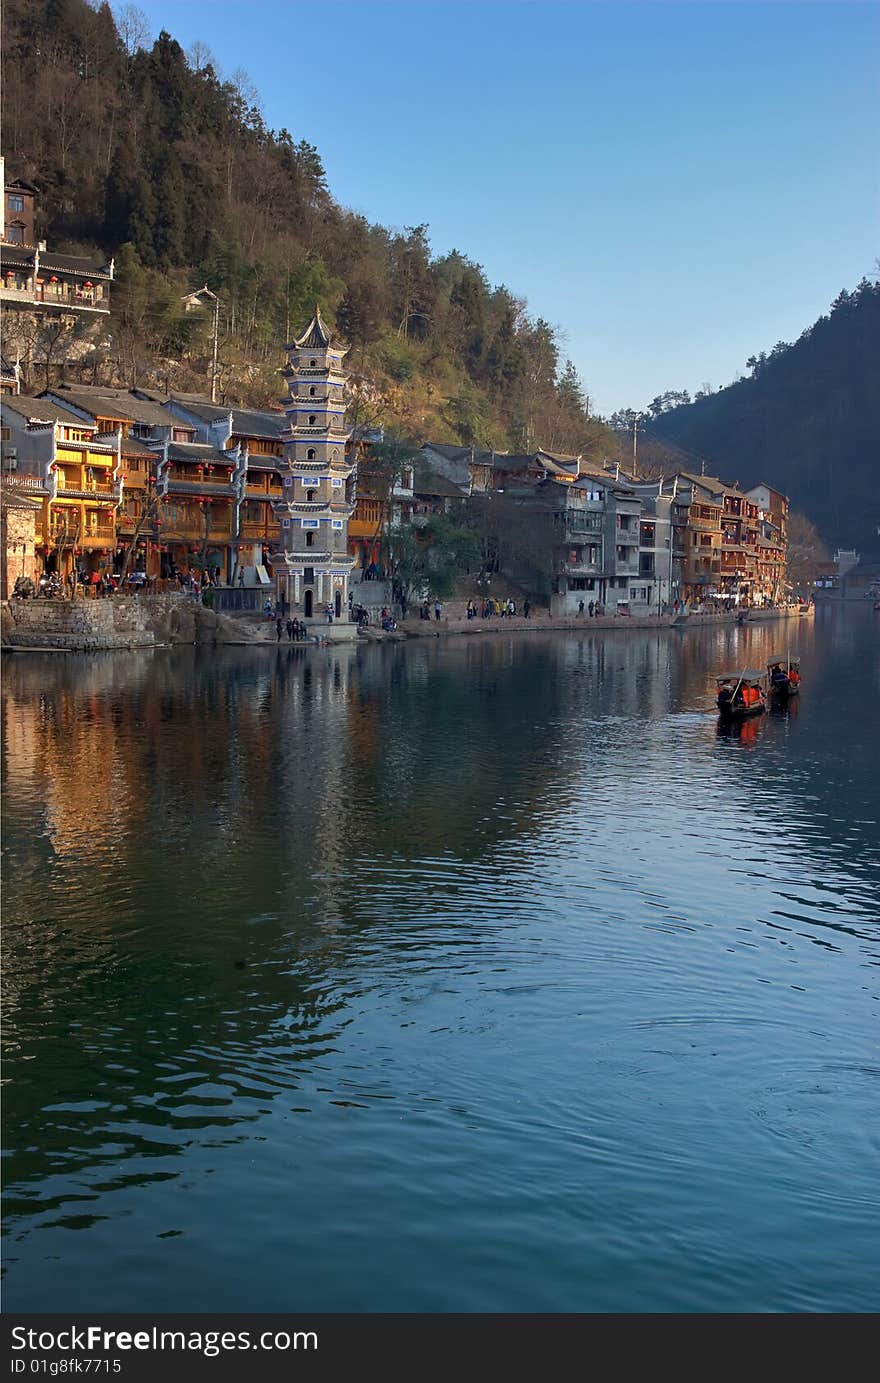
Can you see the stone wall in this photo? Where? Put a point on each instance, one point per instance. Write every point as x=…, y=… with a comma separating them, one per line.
x=18, y=535
x=121, y=622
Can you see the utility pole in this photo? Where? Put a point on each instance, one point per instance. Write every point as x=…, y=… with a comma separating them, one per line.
x=214, y=355
x=636, y=417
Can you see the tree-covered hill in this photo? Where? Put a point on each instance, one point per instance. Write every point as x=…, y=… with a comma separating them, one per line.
x=150, y=154
x=806, y=421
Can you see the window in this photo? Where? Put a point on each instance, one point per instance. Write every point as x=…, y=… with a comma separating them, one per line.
x=16, y=203
x=310, y=496
x=310, y=454
x=312, y=391
x=311, y=420
x=313, y=362
x=310, y=538
x=15, y=234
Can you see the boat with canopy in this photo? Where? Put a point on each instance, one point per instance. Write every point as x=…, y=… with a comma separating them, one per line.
x=784, y=676
x=741, y=694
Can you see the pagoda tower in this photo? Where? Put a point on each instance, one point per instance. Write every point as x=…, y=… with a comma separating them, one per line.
x=312, y=564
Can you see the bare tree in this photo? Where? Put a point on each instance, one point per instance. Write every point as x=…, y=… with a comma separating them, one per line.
x=199, y=56
x=133, y=28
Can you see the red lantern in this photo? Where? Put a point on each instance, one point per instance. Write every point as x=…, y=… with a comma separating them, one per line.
x=53, y=279
x=88, y=283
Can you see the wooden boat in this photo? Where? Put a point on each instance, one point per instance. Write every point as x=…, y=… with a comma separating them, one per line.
x=741, y=694
x=783, y=676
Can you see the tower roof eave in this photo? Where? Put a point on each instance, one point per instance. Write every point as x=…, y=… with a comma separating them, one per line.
x=316, y=334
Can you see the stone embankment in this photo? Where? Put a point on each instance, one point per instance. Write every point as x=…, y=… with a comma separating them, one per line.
x=537, y=623
x=143, y=621
x=149, y=621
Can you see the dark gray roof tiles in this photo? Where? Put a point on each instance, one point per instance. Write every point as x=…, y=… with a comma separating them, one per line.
x=427, y=481
x=40, y=410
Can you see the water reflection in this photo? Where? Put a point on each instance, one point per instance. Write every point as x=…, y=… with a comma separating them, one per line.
x=486, y=902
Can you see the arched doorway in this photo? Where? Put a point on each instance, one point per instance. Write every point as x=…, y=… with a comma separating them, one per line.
x=339, y=605
x=310, y=600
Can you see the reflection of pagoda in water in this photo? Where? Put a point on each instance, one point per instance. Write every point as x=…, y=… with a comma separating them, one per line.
x=312, y=564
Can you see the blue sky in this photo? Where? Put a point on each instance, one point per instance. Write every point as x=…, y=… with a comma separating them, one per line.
x=674, y=186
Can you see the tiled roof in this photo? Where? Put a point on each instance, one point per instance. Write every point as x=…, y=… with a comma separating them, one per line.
x=74, y=264
x=205, y=412
x=245, y=422
x=199, y=452
x=253, y=423
x=117, y=403
x=315, y=334
x=20, y=255
x=133, y=446
x=257, y=462
x=23, y=256
x=427, y=481
x=451, y=453
x=105, y=408
x=41, y=410
x=510, y=461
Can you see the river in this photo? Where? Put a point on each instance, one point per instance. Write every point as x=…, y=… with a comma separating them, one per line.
x=484, y=974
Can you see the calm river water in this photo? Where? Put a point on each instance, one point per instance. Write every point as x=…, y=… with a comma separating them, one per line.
x=472, y=975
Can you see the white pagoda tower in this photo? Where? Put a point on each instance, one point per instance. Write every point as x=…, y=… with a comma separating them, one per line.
x=312, y=564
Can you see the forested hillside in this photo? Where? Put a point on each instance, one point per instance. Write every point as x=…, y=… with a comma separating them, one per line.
x=807, y=421
x=150, y=154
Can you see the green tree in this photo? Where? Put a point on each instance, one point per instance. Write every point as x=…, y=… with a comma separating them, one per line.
x=426, y=560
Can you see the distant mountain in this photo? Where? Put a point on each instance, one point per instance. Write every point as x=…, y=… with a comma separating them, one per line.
x=807, y=421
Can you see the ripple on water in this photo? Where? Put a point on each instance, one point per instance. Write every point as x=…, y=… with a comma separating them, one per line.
x=521, y=989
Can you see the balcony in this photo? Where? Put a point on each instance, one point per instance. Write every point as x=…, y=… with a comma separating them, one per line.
x=582, y=569
x=111, y=493
x=627, y=537
x=100, y=535
x=93, y=535
x=192, y=533
x=70, y=298
x=197, y=487
x=12, y=292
